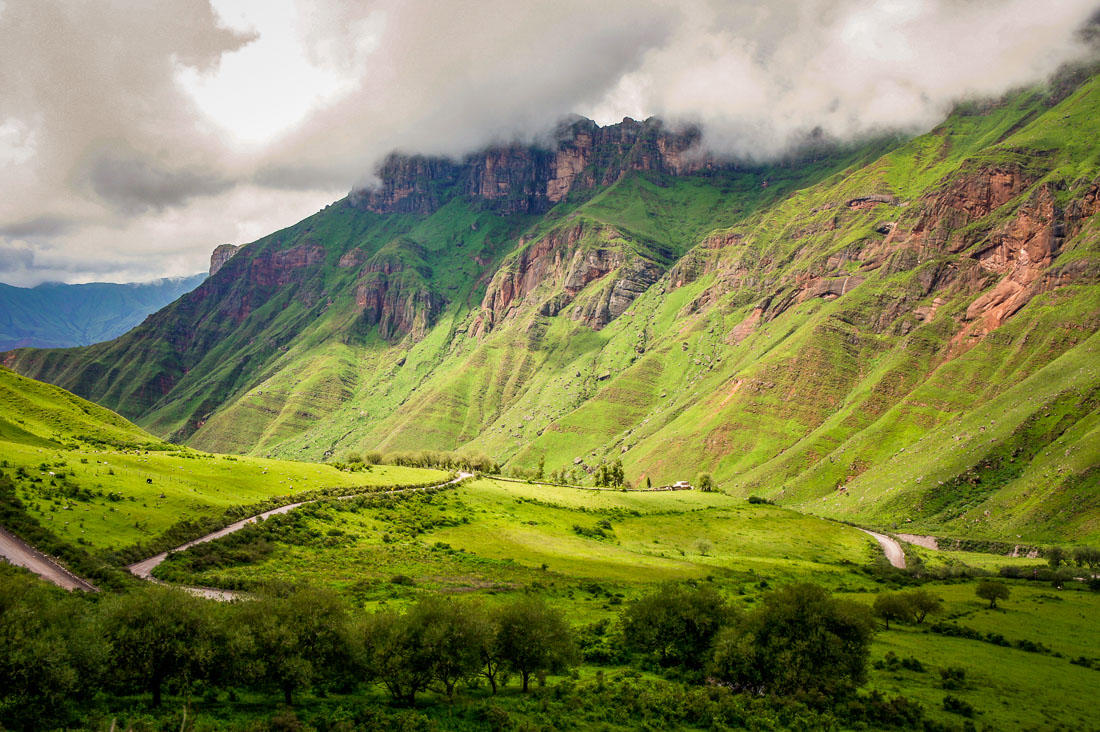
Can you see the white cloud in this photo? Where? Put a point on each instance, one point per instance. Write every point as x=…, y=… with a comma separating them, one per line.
x=148, y=133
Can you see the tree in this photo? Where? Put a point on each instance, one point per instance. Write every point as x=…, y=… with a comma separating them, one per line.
x=799, y=639
x=394, y=656
x=1086, y=555
x=992, y=591
x=299, y=639
x=704, y=546
x=51, y=652
x=157, y=635
x=533, y=638
x=541, y=469
x=677, y=623
x=923, y=603
x=452, y=635
x=648, y=482
x=1055, y=556
x=893, y=606
x=705, y=482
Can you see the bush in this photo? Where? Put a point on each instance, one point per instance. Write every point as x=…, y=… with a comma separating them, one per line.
x=957, y=706
x=952, y=678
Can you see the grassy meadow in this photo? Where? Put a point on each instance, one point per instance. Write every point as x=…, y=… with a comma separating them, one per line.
x=92, y=478
x=495, y=539
x=505, y=535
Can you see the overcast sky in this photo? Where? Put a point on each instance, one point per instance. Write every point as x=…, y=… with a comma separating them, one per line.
x=137, y=136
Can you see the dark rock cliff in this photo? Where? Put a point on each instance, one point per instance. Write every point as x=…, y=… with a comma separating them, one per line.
x=515, y=179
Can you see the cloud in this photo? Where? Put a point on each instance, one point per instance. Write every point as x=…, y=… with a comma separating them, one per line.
x=131, y=183
x=147, y=133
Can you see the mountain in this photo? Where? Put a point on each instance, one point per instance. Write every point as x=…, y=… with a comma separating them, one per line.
x=900, y=332
x=56, y=315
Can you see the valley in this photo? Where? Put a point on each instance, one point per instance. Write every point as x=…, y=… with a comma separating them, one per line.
x=421, y=447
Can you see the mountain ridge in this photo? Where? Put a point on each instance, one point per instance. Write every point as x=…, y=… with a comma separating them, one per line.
x=58, y=315
x=788, y=328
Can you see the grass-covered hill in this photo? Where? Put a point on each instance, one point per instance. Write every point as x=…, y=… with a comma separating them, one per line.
x=899, y=333
x=87, y=476
x=56, y=315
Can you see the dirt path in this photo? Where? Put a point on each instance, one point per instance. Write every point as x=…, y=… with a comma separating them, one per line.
x=22, y=554
x=144, y=569
x=890, y=547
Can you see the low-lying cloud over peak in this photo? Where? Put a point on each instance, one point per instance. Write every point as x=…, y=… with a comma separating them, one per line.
x=135, y=138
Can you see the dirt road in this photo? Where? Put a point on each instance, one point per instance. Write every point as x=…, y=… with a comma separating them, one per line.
x=144, y=569
x=20, y=553
x=890, y=547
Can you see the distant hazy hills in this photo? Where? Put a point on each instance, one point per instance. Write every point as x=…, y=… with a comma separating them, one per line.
x=55, y=315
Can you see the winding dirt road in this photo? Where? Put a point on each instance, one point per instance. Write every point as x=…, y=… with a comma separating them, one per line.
x=144, y=569
x=19, y=552
x=22, y=554
x=892, y=549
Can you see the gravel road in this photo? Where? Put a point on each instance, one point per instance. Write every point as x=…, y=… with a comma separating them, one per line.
x=20, y=553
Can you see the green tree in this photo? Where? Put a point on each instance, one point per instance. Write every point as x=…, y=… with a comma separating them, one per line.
x=533, y=638
x=1086, y=556
x=395, y=657
x=992, y=591
x=1056, y=555
x=705, y=482
x=452, y=635
x=541, y=469
x=51, y=652
x=799, y=639
x=893, y=606
x=299, y=639
x=676, y=623
x=158, y=635
x=923, y=603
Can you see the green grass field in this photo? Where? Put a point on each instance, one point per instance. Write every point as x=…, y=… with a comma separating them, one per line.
x=495, y=538
x=506, y=535
x=93, y=478
x=1010, y=688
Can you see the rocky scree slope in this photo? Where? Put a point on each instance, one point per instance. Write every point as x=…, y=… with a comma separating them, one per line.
x=902, y=333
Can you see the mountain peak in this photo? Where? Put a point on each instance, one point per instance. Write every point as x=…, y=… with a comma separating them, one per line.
x=529, y=179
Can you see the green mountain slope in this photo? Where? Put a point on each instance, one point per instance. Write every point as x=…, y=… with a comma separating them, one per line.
x=55, y=315
x=845, y=332
x=90, y=477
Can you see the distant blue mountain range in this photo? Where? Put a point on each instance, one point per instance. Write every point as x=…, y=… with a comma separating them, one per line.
x=55, y=315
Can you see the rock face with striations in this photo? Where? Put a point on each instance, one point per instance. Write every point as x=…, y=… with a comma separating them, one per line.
x=221, y=255
x=515, y=179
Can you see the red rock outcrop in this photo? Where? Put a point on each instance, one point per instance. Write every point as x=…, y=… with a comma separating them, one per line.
x=516, y=179
x=1022, y=249
x=556, y=260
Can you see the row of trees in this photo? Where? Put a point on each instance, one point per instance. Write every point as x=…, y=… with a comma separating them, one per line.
x=470, y=462
x=1082, y=556
x=906, y=607
x=57, y=651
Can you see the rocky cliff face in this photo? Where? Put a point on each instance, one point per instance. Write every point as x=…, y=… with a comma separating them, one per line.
x=561, y=264
x=220, y=256
x=515, y=179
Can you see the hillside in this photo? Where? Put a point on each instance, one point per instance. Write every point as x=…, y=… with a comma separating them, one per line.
x=899, y=333
x=56, y=315
x=90, y=477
